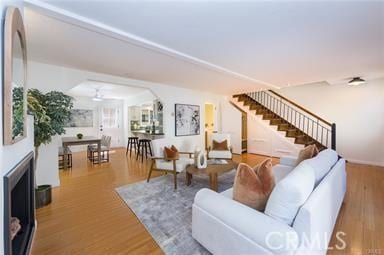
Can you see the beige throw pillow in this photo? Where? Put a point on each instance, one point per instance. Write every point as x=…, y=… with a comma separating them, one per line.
x=308, y=152
x=253, y=186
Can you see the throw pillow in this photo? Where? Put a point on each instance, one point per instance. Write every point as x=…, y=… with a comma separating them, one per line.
x=308, y=152
x=219, y=146
x=253, y=186
x=265, y=172
x=171, y=153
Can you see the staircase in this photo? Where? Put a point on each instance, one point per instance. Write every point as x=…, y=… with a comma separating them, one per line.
x=297, y=122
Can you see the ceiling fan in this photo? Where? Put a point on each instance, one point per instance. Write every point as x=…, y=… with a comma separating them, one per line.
x=97, y=97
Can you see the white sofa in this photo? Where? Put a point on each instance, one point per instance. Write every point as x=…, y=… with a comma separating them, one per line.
x=294, y=222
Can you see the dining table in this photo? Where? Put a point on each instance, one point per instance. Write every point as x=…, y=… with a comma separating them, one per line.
x=70, y=141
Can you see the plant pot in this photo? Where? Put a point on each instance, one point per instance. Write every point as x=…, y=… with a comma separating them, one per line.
x=43, y=194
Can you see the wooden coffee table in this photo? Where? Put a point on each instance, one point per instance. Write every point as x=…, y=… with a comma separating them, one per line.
x=212, y=170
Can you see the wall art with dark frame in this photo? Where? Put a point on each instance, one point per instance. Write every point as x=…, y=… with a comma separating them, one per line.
x=187, y=120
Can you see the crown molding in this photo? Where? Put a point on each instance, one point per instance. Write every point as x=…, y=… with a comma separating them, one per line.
x=101, y=28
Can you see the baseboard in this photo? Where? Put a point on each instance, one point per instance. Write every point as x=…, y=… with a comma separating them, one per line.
x=262, y=154
x=365, y=162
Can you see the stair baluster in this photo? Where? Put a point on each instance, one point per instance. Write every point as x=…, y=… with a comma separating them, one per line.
x=292, y=118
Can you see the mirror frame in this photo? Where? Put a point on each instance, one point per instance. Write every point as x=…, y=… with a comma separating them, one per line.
x=13, y=25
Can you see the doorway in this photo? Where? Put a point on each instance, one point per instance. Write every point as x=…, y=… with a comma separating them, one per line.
x=111, y=124
x=209, y=117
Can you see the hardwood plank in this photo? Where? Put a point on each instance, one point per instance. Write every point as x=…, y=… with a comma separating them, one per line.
x=88, y=217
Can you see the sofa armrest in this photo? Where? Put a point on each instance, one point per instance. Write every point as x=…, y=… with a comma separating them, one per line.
x=288, y=161
x=261, y=229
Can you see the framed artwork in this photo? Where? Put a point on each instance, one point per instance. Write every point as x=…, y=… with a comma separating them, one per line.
x=187, y=119
x=80, y=118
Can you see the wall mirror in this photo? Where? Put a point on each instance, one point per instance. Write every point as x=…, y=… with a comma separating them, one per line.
x=15, y=70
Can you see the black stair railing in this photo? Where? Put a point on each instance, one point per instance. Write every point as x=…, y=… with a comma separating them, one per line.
x=307, y=122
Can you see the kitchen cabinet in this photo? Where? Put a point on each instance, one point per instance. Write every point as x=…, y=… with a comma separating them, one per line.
x=135, y=113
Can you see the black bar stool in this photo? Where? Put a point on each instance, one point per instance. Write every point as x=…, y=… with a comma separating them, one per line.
x=133, y=141
x=144, y=145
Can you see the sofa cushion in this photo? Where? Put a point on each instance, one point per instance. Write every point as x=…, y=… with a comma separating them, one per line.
x=290, y=194
x=228, y=193
x=253, y=186
x=220, y=137
x=307, y=153
x=322, y=163
x=181, y=164
x=280, y=171
x=220, y=154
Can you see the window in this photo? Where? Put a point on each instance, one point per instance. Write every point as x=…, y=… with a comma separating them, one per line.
x=109, y=118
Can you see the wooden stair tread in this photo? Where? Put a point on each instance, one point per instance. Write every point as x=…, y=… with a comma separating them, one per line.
x=274, y=120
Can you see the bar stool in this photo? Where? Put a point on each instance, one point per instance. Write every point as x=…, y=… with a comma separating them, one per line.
x=144, y=145
x=133, y=141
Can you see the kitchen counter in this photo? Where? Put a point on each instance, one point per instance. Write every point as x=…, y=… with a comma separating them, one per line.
x=150, y=135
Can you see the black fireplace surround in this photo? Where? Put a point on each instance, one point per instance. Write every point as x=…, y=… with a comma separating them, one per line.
x=19, y=202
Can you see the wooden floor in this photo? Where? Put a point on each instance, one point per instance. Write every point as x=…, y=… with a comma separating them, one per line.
x=88, y=217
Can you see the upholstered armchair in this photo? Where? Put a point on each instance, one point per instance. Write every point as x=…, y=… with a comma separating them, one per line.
x=175, y=165
x=220, y=154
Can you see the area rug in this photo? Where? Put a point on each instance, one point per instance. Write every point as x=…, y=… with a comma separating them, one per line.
x=167, y=214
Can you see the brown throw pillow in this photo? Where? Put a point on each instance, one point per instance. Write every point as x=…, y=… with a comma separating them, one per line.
x=220, y=146
x=171, y=153
x=253, y=186
x=308, y=152
x=315, y=151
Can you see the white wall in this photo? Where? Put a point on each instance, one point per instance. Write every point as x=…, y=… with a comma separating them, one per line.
x=231, y=123
x=47, y=171
x=357, y=111
x=10, y=155
x=50, y=77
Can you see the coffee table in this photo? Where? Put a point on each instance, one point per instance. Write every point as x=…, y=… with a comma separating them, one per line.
x=212, y=170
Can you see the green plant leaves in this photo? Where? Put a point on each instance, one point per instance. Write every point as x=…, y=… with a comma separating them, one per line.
x=51, y=111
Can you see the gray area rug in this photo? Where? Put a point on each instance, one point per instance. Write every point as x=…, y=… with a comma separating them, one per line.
x=167, y=214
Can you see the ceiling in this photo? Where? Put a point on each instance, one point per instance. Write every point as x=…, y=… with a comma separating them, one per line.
x=106, y=90
x=223, y=47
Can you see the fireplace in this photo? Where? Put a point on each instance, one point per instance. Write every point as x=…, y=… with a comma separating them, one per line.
x=19, y=207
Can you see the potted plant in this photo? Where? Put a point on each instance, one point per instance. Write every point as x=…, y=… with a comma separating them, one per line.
x=51, y=111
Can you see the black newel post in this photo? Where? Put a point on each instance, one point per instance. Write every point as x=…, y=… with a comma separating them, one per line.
x=333, y=142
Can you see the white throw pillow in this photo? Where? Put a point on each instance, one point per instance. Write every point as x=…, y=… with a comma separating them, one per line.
x=322, y=163
x=291, y=193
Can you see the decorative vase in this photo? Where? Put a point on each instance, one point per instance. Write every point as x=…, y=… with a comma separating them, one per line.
x=43, y=195
x=196, y=155
x=201, y=160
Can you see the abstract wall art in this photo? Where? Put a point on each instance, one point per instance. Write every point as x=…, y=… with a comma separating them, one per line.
x=80, y=118
x=187, y=120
